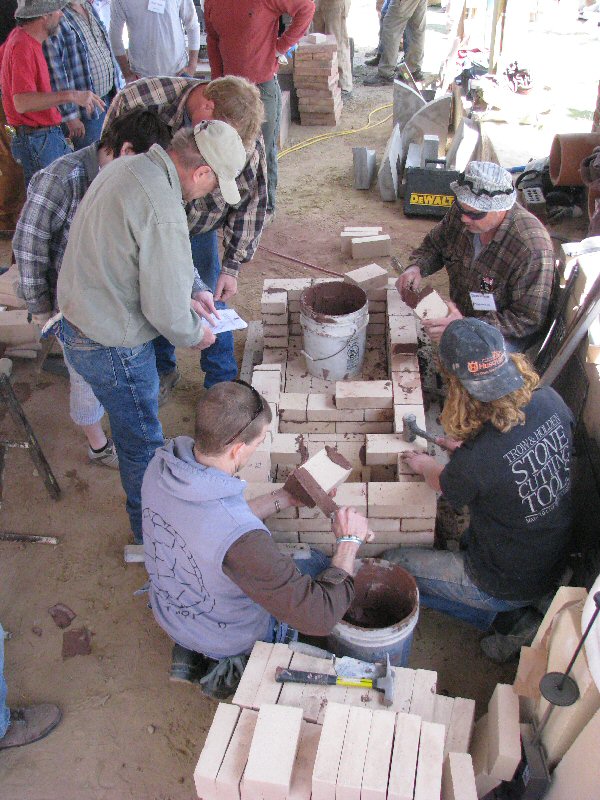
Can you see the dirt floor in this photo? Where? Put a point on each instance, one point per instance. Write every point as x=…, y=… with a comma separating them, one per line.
x=127, y=732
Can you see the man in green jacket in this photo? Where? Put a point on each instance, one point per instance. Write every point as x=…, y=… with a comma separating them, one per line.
x=127, y=276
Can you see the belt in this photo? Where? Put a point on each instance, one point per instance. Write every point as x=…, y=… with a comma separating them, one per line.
x=24, y=130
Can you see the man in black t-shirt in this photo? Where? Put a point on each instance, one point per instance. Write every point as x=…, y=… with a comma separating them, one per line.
x=510, y=464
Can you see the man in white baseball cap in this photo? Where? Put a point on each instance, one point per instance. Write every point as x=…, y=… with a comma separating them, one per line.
x=127, y=277
x=499, y=258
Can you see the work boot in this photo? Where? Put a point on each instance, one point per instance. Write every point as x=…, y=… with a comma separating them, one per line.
x=187, y=666
x=374, y=61
x=378, y=80
x=168, y=382
x=107, y=457
x=31, y=724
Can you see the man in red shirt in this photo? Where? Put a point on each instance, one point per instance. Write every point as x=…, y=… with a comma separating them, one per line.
x=242, y=39
x=29, y=103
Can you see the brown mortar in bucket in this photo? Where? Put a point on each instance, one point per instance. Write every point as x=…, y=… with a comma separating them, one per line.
x=335, y=299
x=386, y=594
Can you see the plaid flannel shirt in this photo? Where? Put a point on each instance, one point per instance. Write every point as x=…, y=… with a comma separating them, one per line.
x=68, y=63
x=517, y=267
x=242, y=224
x=42, y=232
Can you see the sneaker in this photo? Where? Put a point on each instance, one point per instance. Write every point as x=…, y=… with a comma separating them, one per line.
x=31, y=724
x=378, y=80
x=374, y=61
x=168, y=382
x=107, y=457
x=187, y=666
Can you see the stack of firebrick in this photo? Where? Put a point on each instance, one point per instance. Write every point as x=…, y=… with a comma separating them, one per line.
x=316, y=80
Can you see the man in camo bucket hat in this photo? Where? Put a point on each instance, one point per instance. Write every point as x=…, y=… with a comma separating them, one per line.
x=499, y=259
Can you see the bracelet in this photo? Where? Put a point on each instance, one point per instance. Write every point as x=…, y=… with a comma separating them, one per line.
x=354, y=539
x=277, y=503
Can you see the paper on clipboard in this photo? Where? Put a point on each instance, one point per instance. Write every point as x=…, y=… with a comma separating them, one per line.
x=230, y=321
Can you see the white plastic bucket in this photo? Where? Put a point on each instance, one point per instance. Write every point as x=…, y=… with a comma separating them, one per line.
x=334, y=318
x=382, y=619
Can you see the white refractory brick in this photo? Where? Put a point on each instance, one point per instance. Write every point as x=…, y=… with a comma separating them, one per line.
x=364, y=427
x=431, y=306
x=504, y=735
x=402, y=335
x=315, y=38
x=379, y=755
x=401, y=500
x=252, y=675
x=384, y=448
x=423, y=698
x=321, y=408
x=428, y=783
x=301, y=786
x=353, y=494
x=379, y=414
x=484, y=782
x=371, y=276
x=286, y=448
x=414, y=525
x=307, y=427
x=293, y=287
x=274, y=302
x=329, y=751
x=402, y=362
x=363, y=230
x=404, y=757
x=228, y=780
x=292, y=407
x=257, y=468
x=400, y=411
x=406, y=387
x=396, y=307
x=268, y=384
x=371, y=246
x=460, y=730
x=215, y=747
x=276, y=342
x=272, y=753
x=364, y=162
x=274, y=356
x=354, y=752
x=363, y=394
x=430, y=150
x=318, y=476
x=384, y=525
x=388, y=171
x=458, y=778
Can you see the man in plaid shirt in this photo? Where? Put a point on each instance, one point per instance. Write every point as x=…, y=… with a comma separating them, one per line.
x=182, y=102
x=499, y=258
x=79, y=57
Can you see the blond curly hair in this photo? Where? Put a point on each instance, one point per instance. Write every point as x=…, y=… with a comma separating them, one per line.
x=464, y=416
x=237, y=102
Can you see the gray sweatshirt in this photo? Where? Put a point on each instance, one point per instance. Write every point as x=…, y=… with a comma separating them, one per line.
x=127, y=273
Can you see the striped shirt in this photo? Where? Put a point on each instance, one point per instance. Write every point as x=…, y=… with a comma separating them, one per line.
x=99, y=55
x=517, y=267
x=243, y=223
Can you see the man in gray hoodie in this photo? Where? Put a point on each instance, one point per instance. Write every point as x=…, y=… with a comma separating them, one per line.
x=127, y=276
x=218, y=582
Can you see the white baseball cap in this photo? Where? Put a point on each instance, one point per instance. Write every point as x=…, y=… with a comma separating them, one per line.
x=221, y=147
x=485, y=186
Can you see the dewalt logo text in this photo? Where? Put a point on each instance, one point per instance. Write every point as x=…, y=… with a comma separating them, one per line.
x=419, y=199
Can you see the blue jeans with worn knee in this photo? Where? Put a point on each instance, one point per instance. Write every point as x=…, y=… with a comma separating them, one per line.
x=313, y=566
x=445, y=586
x=38, y=149
x=93, y=127
x=4, y=709
x=125, y=381
x=270, y=94
x=217, y=361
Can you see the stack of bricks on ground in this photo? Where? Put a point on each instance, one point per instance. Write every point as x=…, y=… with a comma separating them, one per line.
x=365, y=242
x=21, y=337
x=316, y=80
x=362, y=419
x=302, y=741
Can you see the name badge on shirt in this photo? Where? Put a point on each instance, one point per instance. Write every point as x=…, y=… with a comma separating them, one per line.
x=158, y=6
x=482, y=302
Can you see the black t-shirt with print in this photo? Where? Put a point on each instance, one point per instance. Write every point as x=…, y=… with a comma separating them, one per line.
x=517, y=487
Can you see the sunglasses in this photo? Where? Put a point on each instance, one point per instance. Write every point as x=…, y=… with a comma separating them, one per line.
x=462, y=180
x=260, y=407
x=474, y=215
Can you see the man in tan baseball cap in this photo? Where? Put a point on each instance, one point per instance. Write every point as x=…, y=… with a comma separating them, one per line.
x=127, y=277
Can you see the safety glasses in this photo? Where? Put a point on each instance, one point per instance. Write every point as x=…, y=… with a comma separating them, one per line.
x=474, y=215
x=463, y=180
x=257, y=412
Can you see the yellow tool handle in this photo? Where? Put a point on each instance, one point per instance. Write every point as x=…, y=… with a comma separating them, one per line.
x=361, y=683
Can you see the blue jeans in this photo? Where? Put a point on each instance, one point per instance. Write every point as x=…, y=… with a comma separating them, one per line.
x=4, y=709
x=313, y=566
x=270, y=94
x=445, y=586
x=93, y=127
x=36, y=150
x=125, y=381
x=217, y=361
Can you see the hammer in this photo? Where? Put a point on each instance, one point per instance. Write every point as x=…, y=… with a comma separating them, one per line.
x=384, y=684
x=411, y=430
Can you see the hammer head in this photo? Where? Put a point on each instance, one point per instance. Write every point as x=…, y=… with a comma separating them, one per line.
x=409, y=434
x=386, y=684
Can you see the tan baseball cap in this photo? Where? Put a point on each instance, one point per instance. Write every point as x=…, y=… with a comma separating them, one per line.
x=222, y=149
